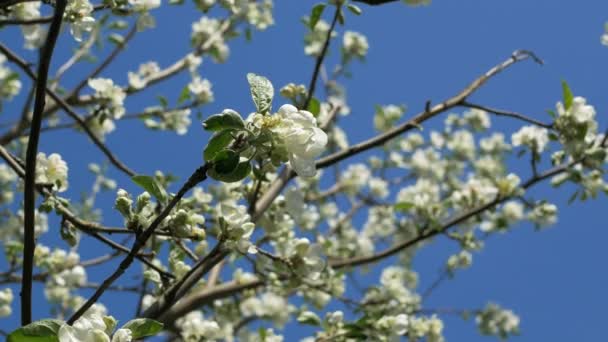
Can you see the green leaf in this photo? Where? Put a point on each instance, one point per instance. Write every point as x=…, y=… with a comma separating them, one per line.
x=240, y=172
x=116, y=38
x=142, y=327
x=163, y=101
x=217, y=143
x=314, y=107
x=262, y=92
x=184, y=95
x=315, y=15
x=310, y=318
x=150, y=184
x=341, y=17
x=355, y=9
x=225, y=161
x=567, y=94
x=403, y=206
x=40, y=331
x=228, y=119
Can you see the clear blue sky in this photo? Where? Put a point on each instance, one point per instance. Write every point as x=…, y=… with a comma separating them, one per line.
x=555, y=280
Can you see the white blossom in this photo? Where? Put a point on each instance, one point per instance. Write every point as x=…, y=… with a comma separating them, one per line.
x=201, y=89
x=78, y=14
x=354, y=44
x=536, y=138
x=109, y=96
x=6, y=299
x=52, y=170
x=301, y=137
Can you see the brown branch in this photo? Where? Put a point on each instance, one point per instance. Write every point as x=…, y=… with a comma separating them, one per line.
x=506, y=113
x=364, y=260
x=198, y=176
x=105, y=63
x=450, y=103
x=321, y=57
x=90, y=228
x=29, y=206
x=10, y=55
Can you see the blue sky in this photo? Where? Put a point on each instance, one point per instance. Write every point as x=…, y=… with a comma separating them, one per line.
x=555, y=279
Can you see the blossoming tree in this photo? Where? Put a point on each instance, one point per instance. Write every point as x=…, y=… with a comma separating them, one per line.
x=256, y=225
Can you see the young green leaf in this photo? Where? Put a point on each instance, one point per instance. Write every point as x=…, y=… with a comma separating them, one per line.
x=315, y=15
x=217, y=143
x=184, y=95
x=240, y=172
x=40, y=331
x=314, y=107
x=142, y=327
x=150, y=184
x=228, y=119
x=403, y=206
x=568, y=97
x=262, y=92
x=309, y=318
x=225, y=161
x=355, y=9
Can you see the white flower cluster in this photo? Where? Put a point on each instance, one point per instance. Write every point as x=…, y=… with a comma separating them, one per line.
x=6, y=299
x=543, y=214
x=110, y=98
x=256, y=13
x=296, y=133
x=386, y=117
x=194, y=327
x=177, y=120
x=576, y=126
x=33, y=35
x=12, y=228
x=10, y=85
x=7, y=180
x=52, y=170
x=494, y=320
x=93, y=326
x=461, y=260
x=604, y=38
x=237, y=227
x=144, y=5
x=79, y=14
x=305, y=215
x=534, y=137
x=354, y=44
x=315, y=39
x=354, y=178
x=268, y=306
x=139, y=79
x=394, y=325
x=209, y=29
x=200, y=88
x=397, y=284
x=424, y=195
x=510, y=213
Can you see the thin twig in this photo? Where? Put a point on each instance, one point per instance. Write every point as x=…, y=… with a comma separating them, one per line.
x=315, y=74
x=506, y=113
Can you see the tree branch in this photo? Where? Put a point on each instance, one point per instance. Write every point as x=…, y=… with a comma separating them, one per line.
x=198, y=176
x=29, y=206
x=10, y=55
x=510, y=114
